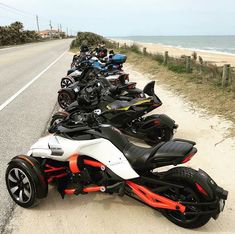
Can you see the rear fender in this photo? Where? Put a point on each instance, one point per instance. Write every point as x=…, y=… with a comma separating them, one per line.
x=160, y=121
x=208, y=187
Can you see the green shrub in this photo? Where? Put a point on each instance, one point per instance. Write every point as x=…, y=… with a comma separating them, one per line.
x=15, y=34
x=91, y=39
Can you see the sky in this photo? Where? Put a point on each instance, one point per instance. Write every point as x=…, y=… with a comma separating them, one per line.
x=125, y=18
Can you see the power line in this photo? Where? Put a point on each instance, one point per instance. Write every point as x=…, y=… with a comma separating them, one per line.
x=24, y=13
x=15, y=9
x=14, y=12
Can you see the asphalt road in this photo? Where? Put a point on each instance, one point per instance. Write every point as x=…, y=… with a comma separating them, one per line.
x=29, y=81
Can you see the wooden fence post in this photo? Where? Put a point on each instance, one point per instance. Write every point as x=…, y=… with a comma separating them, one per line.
x=226, y=75
x=233, y=84
x=188, y=64
x=124, y=45
x=144, y=50
x=165, y=61
x=118, y=45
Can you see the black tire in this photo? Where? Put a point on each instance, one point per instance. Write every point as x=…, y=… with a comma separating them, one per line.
x=20, y=179
x=66, y=81
x=163, y=135
x=184, y=176
x=65, y=98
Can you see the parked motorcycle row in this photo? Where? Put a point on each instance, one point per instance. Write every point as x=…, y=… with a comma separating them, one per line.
x=88, y=150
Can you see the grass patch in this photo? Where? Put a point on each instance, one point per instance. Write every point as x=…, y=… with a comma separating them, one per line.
x=196, y=89
x=177, y=68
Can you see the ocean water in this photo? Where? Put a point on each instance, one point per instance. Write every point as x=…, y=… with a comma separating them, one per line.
x=221, y=44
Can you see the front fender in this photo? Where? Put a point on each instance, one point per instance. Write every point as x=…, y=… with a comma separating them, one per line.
x=67, y=89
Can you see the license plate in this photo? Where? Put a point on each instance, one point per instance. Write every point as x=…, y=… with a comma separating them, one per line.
x=221, y=205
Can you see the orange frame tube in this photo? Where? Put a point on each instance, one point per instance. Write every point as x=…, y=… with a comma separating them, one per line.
x=85, y=190
x=154, y=199
x=93, y=163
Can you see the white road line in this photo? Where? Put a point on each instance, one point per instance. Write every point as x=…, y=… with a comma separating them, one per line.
x=8, y=101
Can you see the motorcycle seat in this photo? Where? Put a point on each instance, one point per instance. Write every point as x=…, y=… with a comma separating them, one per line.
x=163, y=154
x=124, y=104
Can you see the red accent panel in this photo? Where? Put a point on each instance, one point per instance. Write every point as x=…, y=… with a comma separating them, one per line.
x=201, y=189
x=157, y=122
x=73, y=163
x=154, y=199
x=93, y=163
x=188, y=158
x=26, y=159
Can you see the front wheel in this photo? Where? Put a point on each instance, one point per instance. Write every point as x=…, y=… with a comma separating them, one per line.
x=65, y=98
x=184, y=176
x=25, y=181
x=159, y=135
x=66, y=82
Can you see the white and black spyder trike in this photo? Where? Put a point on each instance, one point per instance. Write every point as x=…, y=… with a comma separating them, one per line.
x=82, y=159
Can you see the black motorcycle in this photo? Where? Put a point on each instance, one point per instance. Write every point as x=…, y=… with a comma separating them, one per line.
x=127, y=115
x=89, y=76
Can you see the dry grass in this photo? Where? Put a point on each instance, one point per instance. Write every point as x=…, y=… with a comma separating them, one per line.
x=204, y=94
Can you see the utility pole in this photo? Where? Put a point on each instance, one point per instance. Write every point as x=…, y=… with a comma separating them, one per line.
x=50, y=30
x=37, y=23
x=67, y=30
x=60, y=27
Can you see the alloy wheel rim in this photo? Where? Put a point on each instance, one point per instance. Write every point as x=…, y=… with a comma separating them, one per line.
x=19, y=185
x=65, y=83
x=64, y=100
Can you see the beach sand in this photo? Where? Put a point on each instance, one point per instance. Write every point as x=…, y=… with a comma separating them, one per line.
x=215, y=58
